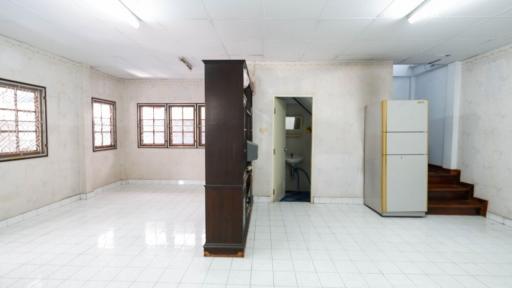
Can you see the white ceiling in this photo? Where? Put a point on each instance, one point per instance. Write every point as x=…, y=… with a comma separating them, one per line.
x=266, y=30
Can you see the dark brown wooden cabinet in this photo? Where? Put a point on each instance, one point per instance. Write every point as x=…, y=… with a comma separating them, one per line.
x=228, y=172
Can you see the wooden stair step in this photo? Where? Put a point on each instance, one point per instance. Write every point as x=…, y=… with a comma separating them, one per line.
x=473, y=206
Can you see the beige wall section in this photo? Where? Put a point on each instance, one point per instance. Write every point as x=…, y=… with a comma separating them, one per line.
x=29, y=184
x=158, y=163
x=340, y=93
x=101, y=167
x=485, y=128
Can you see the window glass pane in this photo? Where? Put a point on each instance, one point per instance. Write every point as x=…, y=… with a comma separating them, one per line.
x=177, y=122
x=7, y=142
x=147, y=112
x=203, y=136
x=6, y=98
x=7, y=125
x=147, y=138
x=159, y=113
x=203, y=112
x=28, y=141
x=188, y=113
x=159, y=138
x=107, y=139
x=177, y=138
x=188, y=138
x=27, y=116
x=147, y=125
x=188, y=128
x=27, y=126
x=160, y=125
x=96, y=110
x=26, y=100
x=97, y=125
x=177, y=128
x=106, y=111
x=106, y=128
x=7, y=115
x=97, y=139
x=176, y=113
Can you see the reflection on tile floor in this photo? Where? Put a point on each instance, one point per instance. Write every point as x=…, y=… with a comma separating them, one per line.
x=151, y=236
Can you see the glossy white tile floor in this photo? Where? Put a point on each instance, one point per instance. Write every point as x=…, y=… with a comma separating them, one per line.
x=151, y=236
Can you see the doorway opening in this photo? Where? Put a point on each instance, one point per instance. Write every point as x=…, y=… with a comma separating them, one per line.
x=292, y=141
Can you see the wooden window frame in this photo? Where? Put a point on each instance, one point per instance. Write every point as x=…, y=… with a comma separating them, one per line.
x=169, y=124
x=112, y=146
x=199, y=126
x=139, y=125
x=43, y=128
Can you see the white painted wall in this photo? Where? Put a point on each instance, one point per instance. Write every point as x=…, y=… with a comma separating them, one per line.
x=101, y=167
x=402, y=86
x=158, y=163
x=432, y=86
x=485, y=154
x=71, y=167
x=340, y=93
x=33, y=183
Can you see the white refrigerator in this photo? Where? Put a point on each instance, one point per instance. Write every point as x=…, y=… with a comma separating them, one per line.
x=396, y=157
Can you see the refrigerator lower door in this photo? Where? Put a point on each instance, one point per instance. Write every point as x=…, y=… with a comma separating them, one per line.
x=406, y=193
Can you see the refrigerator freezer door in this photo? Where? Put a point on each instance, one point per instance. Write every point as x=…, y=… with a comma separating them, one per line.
x=407, y=183
x=407, y=143
x=407, y=116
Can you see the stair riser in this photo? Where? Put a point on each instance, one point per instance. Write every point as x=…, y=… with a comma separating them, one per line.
x=454, y=211
x=465, y=195
x=443, y=179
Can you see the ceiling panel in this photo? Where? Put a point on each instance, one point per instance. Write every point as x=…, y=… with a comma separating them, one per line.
x=289, y=29
x=164, y=10
x=329, y=29
x=471, y=8
x=234, y=9
x=401, y=30
x=325, y=50
x=232, y=30
x=264, y=30
x=284, y=50
x=336, y=9
x=293, y=9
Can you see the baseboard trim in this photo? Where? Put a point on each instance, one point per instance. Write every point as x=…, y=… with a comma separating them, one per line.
x=499, y=219
x=89, y=195
x=85, y=196
x=39, y=211
x=262, y=199
x=175, y=182
x=338, y=200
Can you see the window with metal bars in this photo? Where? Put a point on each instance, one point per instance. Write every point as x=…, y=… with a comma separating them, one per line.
x=162, y=125
x=22, y=121
x=201, y=124
x=152, y=131
x=183, y=125
x=104, y=124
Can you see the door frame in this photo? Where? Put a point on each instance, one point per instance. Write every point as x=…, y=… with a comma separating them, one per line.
x=313, y=136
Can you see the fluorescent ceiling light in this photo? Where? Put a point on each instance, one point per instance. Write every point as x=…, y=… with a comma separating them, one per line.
x=435, y=8
x=117, y=10
x=401, y=8
x=138, y=73
x=130, y=16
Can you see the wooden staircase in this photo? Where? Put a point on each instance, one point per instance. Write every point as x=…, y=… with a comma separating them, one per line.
x=448, y=196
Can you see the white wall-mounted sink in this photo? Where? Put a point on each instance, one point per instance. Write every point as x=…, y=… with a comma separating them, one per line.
x=296, y=159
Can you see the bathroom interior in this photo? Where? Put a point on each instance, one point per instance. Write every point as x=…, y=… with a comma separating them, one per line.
x=298, y=129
